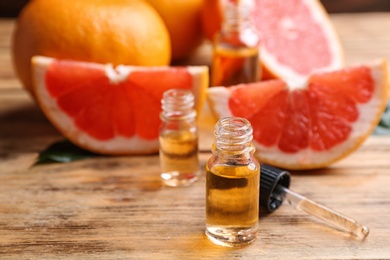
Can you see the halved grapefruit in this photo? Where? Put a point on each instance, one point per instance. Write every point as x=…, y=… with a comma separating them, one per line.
x=110, y=110
x=297, y=36
x=311, y=125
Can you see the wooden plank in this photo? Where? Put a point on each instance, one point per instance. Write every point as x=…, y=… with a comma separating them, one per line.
x=7, y=75
x=356, y=5
x=116, y=207
x=362, y=36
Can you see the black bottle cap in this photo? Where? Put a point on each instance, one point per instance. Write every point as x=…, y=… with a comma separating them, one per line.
x=269, y=178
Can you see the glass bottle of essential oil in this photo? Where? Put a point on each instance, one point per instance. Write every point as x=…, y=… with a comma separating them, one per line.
x=232, y=185
x=178, y=139
x=236, y=47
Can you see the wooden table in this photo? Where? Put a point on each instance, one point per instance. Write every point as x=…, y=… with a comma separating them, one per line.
x=116, y=207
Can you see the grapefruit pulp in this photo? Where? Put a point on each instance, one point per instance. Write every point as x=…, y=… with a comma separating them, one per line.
x=297, y=36
x=110, y=110
x=311, y=125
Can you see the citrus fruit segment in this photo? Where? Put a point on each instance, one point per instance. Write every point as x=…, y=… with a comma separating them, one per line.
x=297, y=36
x=110, y=110
x=105, y=31
x=311, y=125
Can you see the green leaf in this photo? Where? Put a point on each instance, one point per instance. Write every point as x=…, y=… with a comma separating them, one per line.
x=63, y=152
x=384, y=124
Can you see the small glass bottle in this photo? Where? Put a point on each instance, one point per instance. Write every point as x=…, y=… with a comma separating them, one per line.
x=232, y=185
x=178, y=139
x=236, y=47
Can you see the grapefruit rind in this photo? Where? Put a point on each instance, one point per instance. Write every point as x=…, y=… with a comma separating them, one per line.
x=369, y=116
x=118, y=145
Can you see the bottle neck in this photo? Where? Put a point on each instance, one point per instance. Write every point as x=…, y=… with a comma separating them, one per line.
x=233, y=136
x=237, y=27
x=236, y=17
x=178, y=104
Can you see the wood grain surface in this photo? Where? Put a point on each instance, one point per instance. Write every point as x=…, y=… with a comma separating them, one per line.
x=117, y=208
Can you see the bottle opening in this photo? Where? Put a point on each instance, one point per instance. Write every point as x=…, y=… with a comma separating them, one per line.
x=178, y=103
x=234, y=134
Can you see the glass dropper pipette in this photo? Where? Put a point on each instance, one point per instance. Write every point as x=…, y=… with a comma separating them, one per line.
x=275, y=188
x=327, y=215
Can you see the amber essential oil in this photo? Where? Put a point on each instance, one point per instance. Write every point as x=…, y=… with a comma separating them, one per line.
x=179, y=157
x=233, y=66
x=232, y=213
x=235, y=48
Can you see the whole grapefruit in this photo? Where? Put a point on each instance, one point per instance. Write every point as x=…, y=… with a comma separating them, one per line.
x=106, y=31
x=182, y=19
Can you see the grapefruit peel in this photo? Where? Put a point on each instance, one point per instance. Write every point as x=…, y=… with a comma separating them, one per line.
x=369, y=114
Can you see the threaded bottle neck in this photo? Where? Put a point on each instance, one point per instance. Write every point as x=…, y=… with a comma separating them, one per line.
x=233, y=135
x=236, y=16
x=178, y=104
x=237, y=22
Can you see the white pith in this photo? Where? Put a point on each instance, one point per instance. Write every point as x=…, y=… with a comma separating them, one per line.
x=368, y=117
x=66, y=125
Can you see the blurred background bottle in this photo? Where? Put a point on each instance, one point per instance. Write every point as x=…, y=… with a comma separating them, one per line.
x=178, y=139
x=236, y=47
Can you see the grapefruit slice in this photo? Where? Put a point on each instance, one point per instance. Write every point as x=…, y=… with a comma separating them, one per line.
x=297, y=36
x=312, y=125
x=110, y=110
